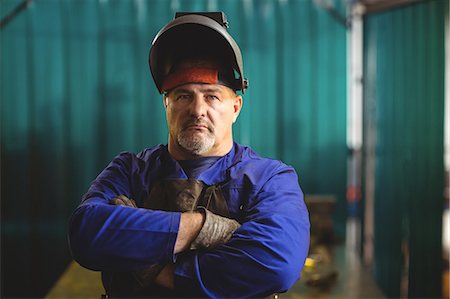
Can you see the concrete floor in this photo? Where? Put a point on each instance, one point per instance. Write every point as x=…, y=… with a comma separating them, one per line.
x=352, y=280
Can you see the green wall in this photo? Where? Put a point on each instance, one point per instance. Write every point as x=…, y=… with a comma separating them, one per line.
x=404, y=59
x=76, y=90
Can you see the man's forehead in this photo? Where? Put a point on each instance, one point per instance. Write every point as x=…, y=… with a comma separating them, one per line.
x=200, y=87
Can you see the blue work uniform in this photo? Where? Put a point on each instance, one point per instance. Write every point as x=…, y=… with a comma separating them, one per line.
x=264, y=256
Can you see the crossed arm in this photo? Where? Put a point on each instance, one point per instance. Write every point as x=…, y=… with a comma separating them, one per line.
x=198, y=229
x=264, y=255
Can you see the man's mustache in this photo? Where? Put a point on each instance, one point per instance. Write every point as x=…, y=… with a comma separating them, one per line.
x=198, y=122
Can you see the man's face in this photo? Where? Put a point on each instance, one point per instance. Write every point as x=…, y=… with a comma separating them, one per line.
x=200, y=119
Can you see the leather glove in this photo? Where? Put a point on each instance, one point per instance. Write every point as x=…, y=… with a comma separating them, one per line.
x=122, y=200
x=216, y=230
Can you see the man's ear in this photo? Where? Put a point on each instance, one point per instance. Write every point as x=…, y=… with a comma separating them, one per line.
x=166, y=100
x=237, y=105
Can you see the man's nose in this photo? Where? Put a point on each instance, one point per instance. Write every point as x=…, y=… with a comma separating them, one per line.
x=198, y=106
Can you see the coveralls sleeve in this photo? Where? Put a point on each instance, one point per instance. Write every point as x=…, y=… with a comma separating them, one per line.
x=266, y=254
x=105, y=237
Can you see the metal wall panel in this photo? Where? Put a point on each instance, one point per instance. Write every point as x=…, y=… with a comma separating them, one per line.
x=76, y=90
x=404, y=81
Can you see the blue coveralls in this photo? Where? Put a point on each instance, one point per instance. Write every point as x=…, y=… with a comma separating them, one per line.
x=264, y=256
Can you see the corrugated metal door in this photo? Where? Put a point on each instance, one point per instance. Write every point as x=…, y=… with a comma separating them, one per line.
x=404, y=59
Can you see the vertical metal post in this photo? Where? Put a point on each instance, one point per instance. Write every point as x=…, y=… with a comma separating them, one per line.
x=354, y=124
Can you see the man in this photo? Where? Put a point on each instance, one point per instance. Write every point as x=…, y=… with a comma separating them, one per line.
x=201, y=216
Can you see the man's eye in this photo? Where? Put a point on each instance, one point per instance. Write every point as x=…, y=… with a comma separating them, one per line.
x=183, y=97
x=212, y=97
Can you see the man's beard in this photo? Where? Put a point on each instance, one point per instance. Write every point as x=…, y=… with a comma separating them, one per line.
x=196, y=143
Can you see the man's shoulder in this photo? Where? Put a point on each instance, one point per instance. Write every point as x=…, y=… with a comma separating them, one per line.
x=249, y=158
x=252, y=169
x=145, y=155
x=150, y=152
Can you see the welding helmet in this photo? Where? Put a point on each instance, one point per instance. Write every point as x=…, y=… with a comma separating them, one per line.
x=197, y=35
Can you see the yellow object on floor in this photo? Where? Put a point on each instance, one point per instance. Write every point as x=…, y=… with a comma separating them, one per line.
x=77, y=282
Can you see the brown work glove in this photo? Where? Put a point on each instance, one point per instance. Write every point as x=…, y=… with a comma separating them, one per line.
x=216, y=230
x=144, y=276
x=122, y=200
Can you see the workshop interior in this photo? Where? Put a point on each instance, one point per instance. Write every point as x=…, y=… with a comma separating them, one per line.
x=354, y=94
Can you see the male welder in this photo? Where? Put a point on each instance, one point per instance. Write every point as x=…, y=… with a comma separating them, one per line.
x=201, y=216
